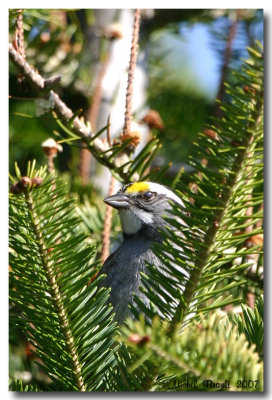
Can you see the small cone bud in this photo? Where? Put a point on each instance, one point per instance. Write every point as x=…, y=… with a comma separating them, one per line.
x=255, y=240
x=137, y=339
x=211, y=134
x=153, y=120
x=24, y=182
x=135, y=138
x=113, y=31
x=51, y=148
x=15, y=189
x=37, y=181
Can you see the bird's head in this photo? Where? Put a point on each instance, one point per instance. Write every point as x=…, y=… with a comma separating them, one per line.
x=142, y=205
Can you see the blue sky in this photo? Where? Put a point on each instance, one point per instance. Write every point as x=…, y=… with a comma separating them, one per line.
x=194, y=58
x=203, y=58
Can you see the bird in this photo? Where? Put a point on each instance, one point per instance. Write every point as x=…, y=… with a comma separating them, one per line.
x=141, y=207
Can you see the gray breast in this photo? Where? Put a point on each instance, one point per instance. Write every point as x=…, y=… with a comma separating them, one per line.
x=123, y=273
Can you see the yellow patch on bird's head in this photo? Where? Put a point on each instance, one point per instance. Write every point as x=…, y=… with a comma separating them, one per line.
x=137, y=187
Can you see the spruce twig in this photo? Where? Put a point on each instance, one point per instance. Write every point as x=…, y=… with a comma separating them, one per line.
x=203, y=256
x=131, y=71
x=56, y=294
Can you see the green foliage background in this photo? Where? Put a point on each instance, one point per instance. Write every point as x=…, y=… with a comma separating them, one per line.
x=62, y=334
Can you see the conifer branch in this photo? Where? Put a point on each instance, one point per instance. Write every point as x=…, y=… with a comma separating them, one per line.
x=210, y=236
x=204, y=351
x=55, y=293
x=184, y=366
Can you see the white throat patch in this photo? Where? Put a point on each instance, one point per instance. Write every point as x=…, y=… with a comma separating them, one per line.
x=130, y=222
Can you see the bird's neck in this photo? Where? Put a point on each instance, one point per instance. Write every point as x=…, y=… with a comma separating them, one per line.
x=146, y=233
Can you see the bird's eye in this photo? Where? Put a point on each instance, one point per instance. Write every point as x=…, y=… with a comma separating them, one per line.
x=148, y=196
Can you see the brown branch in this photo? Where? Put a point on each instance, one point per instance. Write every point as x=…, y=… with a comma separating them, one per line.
x=132, y=65
x=84, y=165
x=35, y=79
x=50, y=161
x=39, y=84
x=79, y=126
x=19, y=42
x=96, y=99
x=107, y=225
x=111, y=32
x=65, y=114
x=85, y=155
x=105, y=252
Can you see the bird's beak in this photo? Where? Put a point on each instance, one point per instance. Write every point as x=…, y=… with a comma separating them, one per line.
x=119, y=200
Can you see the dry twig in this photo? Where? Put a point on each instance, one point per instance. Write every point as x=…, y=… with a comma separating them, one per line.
x=107, y=225
x=132, y=65
x=40, y=86
x=108, y=217
x=19, y=43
